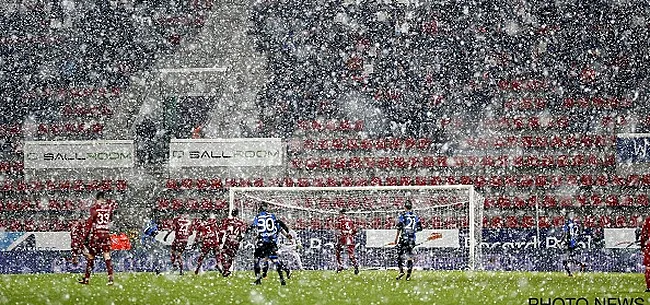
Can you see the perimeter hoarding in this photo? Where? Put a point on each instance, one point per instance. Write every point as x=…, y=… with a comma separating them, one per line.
x=79, y=154
x=261, y=152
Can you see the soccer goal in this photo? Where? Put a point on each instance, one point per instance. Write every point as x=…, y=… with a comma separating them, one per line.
x=451, y=216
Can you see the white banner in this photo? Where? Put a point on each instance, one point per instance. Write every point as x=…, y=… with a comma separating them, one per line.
x=34, y=241
x=620, y=238
x=78, y=154
x=226, y=152
x=424, y=239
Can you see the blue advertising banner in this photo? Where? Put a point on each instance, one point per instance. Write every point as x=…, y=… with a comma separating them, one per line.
x=502, y=249
x=633, y=148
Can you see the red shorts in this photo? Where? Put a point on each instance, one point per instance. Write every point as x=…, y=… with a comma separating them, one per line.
x=348, y=248
x=209, y=246
x=646, y=257
x=179, y=245
x=99, y=243
x=76, y=248
x=346, y=240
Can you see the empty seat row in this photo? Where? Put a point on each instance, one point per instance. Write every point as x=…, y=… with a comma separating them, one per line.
x=331, y=125
x=542, y=141
x=364, y=144
x=63, y=185
x=529, y=161
x=52, y=204
x=11, y=167
x=194, y=204
x=554, y=201
x=588, y=221
x=610, y=102
x=81, y=110
x=70, y=128
x=562, y=122
x=40, y=225
x=510, y=181
x=9, y=130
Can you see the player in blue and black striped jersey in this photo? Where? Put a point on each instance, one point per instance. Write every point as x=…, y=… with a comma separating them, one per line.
x=407, y=225
x=268, y=228
x=570, y=240
x=151, y=246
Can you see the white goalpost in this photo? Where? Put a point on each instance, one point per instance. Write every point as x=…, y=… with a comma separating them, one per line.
x=451, y=216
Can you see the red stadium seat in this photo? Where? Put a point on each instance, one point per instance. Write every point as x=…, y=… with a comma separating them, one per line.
x=206, y=204
x=605, y=221
x=419, y=180
x=391, y=181
x=557, y=221
x=187, y=184
x=163, y=204
x=405, y=180
x=511, y=181
x=216, y=184
x=480, y=181
x=503, y=202
x=172, y=184
x=528, y=221
x=642, y=200
x=192, y=204
x=176, y=204
x=620, y=221
x=540, y=181
x=596, y=200
x=518, y=202
x=332, y=182
x=258, y=182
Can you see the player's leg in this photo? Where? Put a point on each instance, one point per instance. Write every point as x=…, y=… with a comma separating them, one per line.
x=339, y=261
x=272, y=254
x=90, y=264
x=265, y=268
x=646, y=263
x=257, y=267
x=227, y=256
x=400, y=260
x=173, y=256
x=179, y=259
x=109, y=265
x=647, y=278
x=279, y=267
x=409, y=260
x=199, y=261
x=567, y=261
x=353, y=259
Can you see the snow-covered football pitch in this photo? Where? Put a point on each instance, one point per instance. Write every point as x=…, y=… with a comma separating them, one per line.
x=328, y=287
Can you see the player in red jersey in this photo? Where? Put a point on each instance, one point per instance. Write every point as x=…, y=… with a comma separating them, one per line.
x=77, y=240
x=97, y=234
x=208, y=234
x=231, y=232
x=182, y=229
x=644, y=238
x=346, y=230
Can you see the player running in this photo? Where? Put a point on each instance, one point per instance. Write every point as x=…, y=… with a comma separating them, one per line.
x=570, y=240
x=231, y=232
x=268, y=227
x=346, y=230
x=407, y=225
x=208, y=234
x=97, y=233
x=182, y=231
x=644, y=238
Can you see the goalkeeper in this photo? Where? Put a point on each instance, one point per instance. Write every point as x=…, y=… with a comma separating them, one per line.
x=407, y=225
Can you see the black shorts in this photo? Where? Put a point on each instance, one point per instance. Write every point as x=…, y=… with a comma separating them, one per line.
x=266, y=250
x=405, y=246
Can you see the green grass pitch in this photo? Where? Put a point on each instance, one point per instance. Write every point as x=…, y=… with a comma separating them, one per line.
x=327, y=287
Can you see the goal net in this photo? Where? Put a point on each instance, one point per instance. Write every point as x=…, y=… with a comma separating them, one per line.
x=451, y=217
